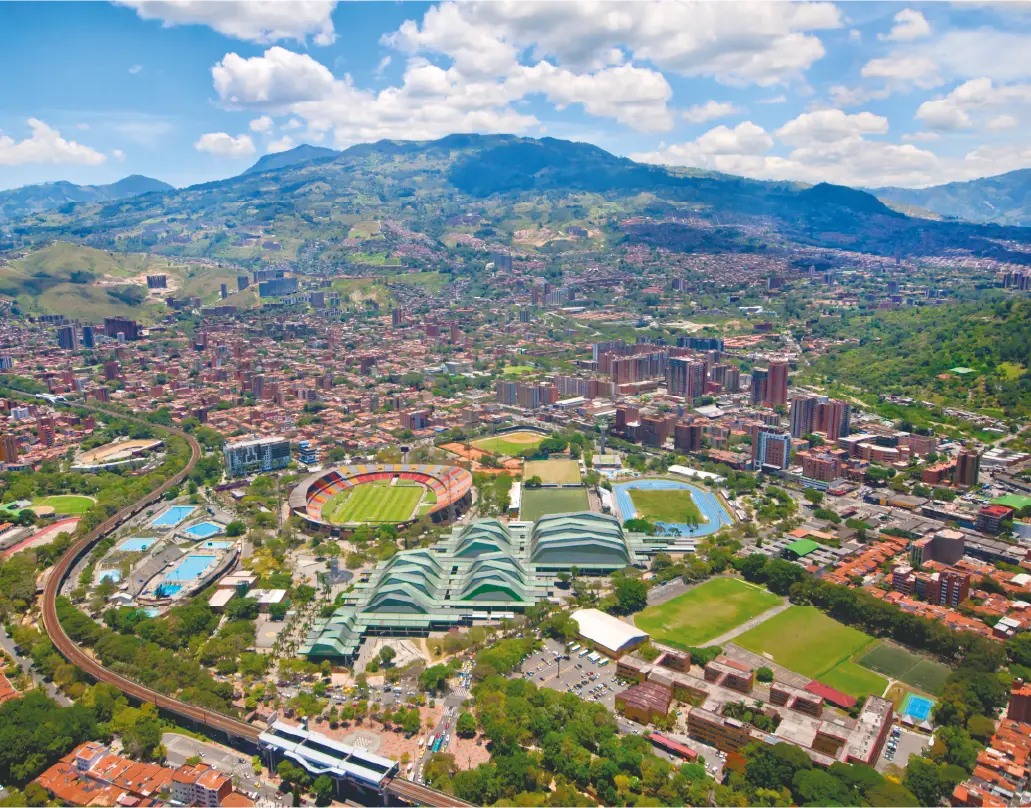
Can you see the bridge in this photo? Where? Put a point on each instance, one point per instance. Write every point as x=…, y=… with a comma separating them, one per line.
x=397, y=788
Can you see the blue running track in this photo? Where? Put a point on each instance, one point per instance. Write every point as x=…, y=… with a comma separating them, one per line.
x=710, y=507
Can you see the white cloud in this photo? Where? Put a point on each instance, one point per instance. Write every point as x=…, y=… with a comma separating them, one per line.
x=829, y=126
x=223, y=145
x=829, y=146
x=144, y=130
x=978, y=96
x=135, y=69
x=45, y=145
x=1001, y=123
x=909, y=25
x=262, y=124
x=998, y=55
x=285, y=143
x=710, y=111
x=262, y=21
x=384, y=63
x=920, y=71
x=917, y=137
x=756, y=43
x=278, y=78
x=118, y=154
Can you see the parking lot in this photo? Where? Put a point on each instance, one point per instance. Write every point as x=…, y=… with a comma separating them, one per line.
x=550, y=668
x=900, y=746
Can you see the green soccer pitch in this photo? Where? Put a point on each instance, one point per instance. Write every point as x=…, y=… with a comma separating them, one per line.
x=373, y=502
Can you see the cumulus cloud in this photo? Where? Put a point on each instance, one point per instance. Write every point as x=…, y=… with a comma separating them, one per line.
x=710, y=111
x=827, y=146
x=285, y=143
x=118, y=154
x=45, y=145
x=262, y=21
x=262, y=124
x=224, y=145
x=278, y=78
x=981, y=97
x=909, y=25
x=760, y=43
x=888, y=75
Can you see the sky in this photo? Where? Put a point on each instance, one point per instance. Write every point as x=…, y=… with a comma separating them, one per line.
x=864, y=94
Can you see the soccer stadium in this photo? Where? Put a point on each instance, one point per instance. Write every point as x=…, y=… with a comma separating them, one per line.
x=484, y=571
x=388, y=493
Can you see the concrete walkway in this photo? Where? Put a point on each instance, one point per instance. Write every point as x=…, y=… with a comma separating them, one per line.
x=750, y=624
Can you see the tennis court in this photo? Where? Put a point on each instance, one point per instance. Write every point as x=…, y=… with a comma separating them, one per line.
x=917, y=706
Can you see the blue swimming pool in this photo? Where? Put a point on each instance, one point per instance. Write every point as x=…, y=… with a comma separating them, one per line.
x=151, y=612
x=190, y=568
x=112, y=575
x=216, y=545
x=917, y=706
x=173, y=516
x=714, y=514
x=204, y=530
x=167, y=590
x=136, y=545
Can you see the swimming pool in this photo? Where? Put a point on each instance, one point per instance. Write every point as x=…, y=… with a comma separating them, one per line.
x=216, y=545
x=136, y=545
x=167, y=590
x=191, y=568
x=712, y=511
x=173, y=516
x=151, y=612
x=112, y=575
x=204, y=530
x=917, y=706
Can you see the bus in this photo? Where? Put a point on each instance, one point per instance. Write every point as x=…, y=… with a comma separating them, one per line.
x=584, y=652
x=594, y=657
x=673, y=747
x=603, y=663
x=575, y=648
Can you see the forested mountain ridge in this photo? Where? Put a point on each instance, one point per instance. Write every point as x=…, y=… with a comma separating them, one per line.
x=1003, y=199
x=30, y=199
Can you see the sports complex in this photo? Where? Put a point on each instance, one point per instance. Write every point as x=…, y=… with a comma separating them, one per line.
x=385, y=493
x=709, y=512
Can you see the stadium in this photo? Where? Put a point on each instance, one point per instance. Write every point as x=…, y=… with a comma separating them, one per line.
x=386, y=493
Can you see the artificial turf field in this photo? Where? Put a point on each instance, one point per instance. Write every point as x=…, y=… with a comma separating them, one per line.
x=70, y=504
x=705, y=612
x=373, y=502
x=538, y=502
x=556, y=472
x=903, y=665
x=675, y=506
x=512, y=443
x=805, y=640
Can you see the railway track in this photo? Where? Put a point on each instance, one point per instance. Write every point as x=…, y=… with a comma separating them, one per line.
x=75, y=655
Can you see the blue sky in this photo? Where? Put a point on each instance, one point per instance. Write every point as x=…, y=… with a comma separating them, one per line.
x=188, y=91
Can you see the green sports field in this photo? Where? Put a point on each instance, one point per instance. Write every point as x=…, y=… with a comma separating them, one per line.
x=373, y=502
x=669, y=506
x=805, y=640
x=538, y=502
x=705, y=612
x=511, y=443
x=903, y=665
x=556, y=472
x=67, y=503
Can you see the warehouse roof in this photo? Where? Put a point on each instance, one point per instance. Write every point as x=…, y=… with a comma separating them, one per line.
x=607, y=631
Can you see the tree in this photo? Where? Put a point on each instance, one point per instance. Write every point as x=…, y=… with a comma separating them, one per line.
x=930, y=782
x=813, y=496
x=764, y=674
x=323, y=790
x=631, y=595
x=466, y=725
x=387, y=654
x=235, y=528
x=277, y=611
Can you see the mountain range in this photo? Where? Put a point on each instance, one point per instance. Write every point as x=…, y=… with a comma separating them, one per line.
x=316, y=204
x=1003, y=199
x=31, y=199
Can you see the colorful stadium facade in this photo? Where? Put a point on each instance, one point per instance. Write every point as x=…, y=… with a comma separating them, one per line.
x=484, y=571
x=450, y=485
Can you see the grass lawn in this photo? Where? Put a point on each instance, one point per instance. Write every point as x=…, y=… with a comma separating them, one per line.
x=807, y=641
x=510, y=444
x=518, y=370
x=557, y=472
x=670, y=506
x=538, y=502
x=68, y=503
x=896, y=662
x=373, y=502
x=705, y=612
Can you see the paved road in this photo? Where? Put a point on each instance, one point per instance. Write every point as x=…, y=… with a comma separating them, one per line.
x=26, y=665
x=229, y=761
